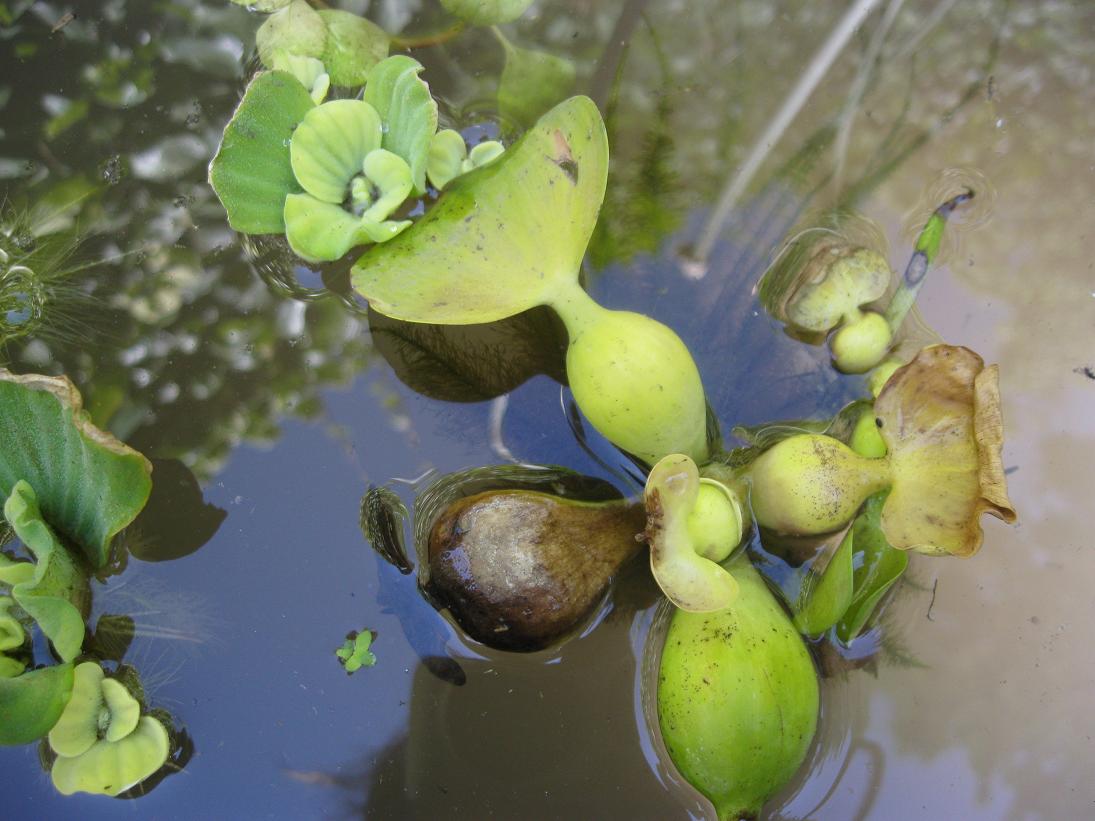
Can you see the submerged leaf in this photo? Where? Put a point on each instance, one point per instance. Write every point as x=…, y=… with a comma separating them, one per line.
x=30, y=704
x=878, y=568
x=940, y=419
x=691, y=581
x=296, y=29
x=486, y=12
x=826, y=596
x=88, y=484
x=354, y=45
x=471, y=363
x=531, y=83
x=835, y=282
x=56, y=596
x=382, y=516
x=503, y=239
x=252, y=172
x=407, y=110
x=263, y=5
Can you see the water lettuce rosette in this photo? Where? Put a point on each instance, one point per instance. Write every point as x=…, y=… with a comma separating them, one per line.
x=103, y=743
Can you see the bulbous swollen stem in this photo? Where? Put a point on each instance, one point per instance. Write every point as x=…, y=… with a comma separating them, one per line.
x=634, y=379
x=861, y=342
x=811, y=484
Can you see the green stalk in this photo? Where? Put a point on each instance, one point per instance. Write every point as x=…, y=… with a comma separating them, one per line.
x=925, y=253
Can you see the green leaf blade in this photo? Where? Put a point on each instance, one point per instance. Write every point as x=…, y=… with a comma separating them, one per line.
x=881, y=566
x=252, y=173
x=486, y=12
x=354, y=46
x=408, y=111
x=531, y=83
x=57, y=597
x=88, y=484
x=30, y=704
x=826, y=599
x=295, y=29
x=504, y=238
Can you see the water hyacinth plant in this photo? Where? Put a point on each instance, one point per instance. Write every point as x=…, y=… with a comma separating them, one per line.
x=821, y=283
x=939, y=419
x=454, y=235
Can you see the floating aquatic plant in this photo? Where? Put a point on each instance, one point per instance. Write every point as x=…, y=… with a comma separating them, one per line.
x=355, y=653
x=449, y=157
x=939, y=418
x=821, y=283
x=52, y=590
x=737, y=697
x=12, y=637
x=103, y=743
x=859, y=573
x=88, y=485
x=510, y=236
x=329, y=176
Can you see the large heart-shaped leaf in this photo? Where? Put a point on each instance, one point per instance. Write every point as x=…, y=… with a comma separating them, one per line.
x=55, y=591
x=504, y=238
x=30, y=704
x=940, y=419
x=252, y=173
x=89, y=485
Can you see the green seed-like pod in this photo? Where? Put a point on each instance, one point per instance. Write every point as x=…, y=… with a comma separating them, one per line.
x=737, y=698
x=861, y=344
x=810, y=484
x=635, y=380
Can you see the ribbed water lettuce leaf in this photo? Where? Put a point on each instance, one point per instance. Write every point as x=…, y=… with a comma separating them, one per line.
x=88, y=484
x=30, y=704
x=53, y=590
x=252, y=173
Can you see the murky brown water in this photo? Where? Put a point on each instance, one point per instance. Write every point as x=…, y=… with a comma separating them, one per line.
x=285, y=412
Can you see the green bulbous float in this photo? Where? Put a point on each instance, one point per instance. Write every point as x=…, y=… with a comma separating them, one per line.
x=811, y=484
x=737, y=698
x=634, y=379
x=862, y=343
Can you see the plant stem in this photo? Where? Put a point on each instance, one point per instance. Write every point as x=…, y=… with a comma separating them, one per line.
x=924, y=254
x=423, y=40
